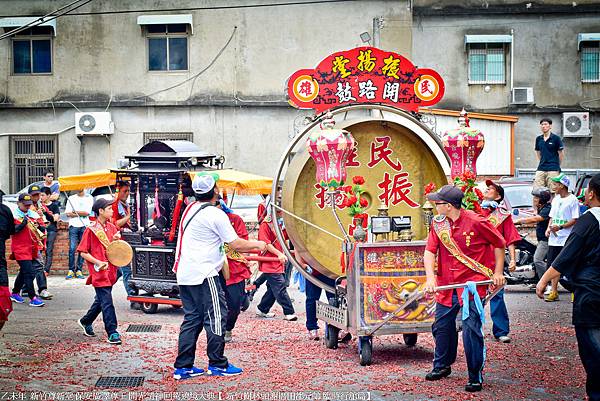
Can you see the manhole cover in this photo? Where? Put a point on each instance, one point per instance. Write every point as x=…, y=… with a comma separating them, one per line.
x=120, y=381
x=143, y=328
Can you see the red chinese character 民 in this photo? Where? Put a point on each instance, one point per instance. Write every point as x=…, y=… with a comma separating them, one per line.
x=425, y=87
x=396, y=190
x=382, y=152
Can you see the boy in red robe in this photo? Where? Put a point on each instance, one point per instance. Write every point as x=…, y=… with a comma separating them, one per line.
x=102, y=274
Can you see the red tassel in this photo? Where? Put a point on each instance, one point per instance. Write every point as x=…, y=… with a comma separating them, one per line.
x=176, y=213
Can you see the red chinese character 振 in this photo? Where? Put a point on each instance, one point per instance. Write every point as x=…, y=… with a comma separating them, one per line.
x=396, y=190
x=305, y=88
x=382, y=152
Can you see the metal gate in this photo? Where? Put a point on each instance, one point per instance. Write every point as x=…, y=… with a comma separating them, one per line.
x=30, y=158
x=168, y=136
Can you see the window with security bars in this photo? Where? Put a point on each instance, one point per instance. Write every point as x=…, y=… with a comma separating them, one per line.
x=168, y=136
x=486, y=63
x=590, y=62
x=30, y=159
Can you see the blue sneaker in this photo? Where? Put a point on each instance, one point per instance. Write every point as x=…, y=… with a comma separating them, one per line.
x=187, y=373
x=36, y=302
x=17, y=298
x=88, y=330
x=114, y=338
x=230, y=370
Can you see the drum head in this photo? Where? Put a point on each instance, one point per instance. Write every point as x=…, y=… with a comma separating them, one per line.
x=119, y=253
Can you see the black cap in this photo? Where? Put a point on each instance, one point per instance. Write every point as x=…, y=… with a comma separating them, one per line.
x=447, y=193
x=25, y=199
x=34, y=190
x=498, y=188
x=101, y=203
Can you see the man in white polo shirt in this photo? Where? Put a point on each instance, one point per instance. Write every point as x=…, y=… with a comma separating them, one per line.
x=203, y=230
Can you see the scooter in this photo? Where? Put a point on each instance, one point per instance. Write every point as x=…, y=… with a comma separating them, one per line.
x=525, y=270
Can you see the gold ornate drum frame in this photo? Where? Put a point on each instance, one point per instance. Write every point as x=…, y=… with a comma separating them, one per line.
x=396, y=154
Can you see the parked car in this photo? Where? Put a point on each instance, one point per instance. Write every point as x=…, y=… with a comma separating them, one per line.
x=246, y=206
x=517, y=196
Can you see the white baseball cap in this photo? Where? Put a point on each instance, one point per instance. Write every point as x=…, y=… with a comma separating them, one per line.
x=203, y=183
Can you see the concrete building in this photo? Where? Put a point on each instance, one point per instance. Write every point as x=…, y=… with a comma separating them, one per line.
x=210, y=71
x=214, y=72
x=487, y=51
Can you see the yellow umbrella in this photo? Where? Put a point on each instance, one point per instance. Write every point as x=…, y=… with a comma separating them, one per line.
x=93, y=179
x=241, y=182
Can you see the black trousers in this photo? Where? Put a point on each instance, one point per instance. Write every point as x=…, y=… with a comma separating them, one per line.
x=25, y=278
x=260, y=280
x=40, y=277
x=588, y=341
x=205, y=307
x=3, y=264
x=235, y=294
x=50, y=239
x=103, y=302
x=276, y=291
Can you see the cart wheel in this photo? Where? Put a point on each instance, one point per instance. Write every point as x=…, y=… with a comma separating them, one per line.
x=365, y=350
x=148, y=307
x=331, y=336
x=410, y=339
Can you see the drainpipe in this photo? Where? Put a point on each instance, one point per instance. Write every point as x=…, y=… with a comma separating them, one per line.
x=512, y=60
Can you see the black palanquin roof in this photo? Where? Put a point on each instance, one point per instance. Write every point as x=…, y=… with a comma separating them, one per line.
x=169, y=155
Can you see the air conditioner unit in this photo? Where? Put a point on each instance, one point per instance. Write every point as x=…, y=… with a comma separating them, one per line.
x=92, y=124
x=576, y=124
x=522, y=96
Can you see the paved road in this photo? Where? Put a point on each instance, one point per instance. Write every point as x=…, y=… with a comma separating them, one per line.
x=44, y=350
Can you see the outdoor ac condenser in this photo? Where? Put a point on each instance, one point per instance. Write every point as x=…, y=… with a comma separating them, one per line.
x=576, y=124
x=94, y=123
x=522, y=96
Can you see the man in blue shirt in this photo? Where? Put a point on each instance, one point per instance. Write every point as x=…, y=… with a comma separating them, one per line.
x=549, y=150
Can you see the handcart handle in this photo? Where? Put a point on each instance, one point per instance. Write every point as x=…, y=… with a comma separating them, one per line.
x=420, y=294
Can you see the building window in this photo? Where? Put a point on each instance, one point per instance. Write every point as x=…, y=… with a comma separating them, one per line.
x=30, y=158
x=590, y=62
x=168, y=136
x=487, y=63
x=167, y=47
x=32, y=51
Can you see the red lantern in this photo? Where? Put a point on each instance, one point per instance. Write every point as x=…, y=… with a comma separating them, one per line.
x=463, y=145
x=330, y=148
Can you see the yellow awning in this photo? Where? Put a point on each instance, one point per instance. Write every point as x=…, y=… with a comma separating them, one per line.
x=93, y=179
x=243, y=183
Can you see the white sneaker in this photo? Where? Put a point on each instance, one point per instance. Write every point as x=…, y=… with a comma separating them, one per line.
x=227, y=336
x=503, y=339
x=290, y=318
x=548, y=290
x=262, y=314
x=313, y=335
x=45, y=294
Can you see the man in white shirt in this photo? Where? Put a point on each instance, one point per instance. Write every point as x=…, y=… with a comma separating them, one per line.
x=563, y=216
x=78, y=209
x=203, y=230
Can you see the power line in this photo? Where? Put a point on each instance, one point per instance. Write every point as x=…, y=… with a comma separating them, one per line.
x=239, y=6
x=43, y=19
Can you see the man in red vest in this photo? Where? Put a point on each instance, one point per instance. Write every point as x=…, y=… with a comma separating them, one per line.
x=467, y=248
